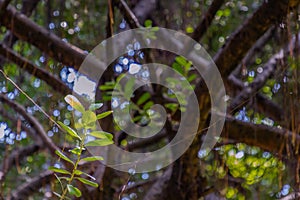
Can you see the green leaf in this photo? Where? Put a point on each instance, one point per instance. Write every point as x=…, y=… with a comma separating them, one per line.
x=128, y=90
x=64, y=157
x=99, y=134
x=76, y=150
x=104, y=114
x=69, y=130
x=87, y=182
x=78, y=172
x=58, y=170
x=143, y=98
x=177, y=67
x=181, y=60
x=148, y=105
x=103, y=142
x=74, y=190
x=91, y=159
x=74, y=102
x=172, y=106
x=89, y=118
x=148, y=23
x=192, y=77
x=106, y=87
x=95, y=106
x=78, y=125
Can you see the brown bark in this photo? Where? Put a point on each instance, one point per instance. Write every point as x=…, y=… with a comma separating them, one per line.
x=36, y=71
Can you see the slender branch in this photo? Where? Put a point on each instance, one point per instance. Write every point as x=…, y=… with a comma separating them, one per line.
x=129, y=15
x=36, y=71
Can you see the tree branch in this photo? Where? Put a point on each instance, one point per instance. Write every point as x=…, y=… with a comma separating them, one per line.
x=25, y=29
x=269, y=138
x=36, y=71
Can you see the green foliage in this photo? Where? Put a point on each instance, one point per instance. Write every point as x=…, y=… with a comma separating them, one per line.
x=87, y=124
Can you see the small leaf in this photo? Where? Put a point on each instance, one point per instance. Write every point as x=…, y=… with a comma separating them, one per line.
x=128, y=90
x=104, y=114
x=87, y=182
x=95, y=106
x=78, y=125
x=99, y=134
x=91, y=159
x=74, y=190
x=69, y=130
x=148, y=105
x=103, y=142
x=89, y=118
x=78, y=172
x=181, y=60
x=76, y=150
x=58, y=170
x=74, y=102
x=172, y=106
x=192, y=77
x=64, y=157
x=143, y=98
x=177, y=67
x=106, y=87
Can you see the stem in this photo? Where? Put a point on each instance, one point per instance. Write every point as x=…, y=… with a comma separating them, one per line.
x=75, y=167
